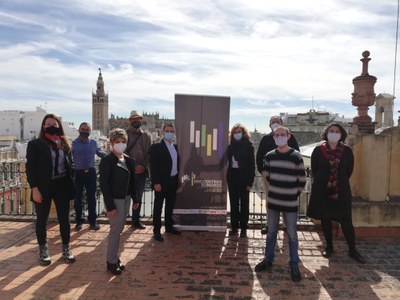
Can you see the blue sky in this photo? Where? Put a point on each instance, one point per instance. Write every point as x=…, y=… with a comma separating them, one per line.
x=268, y=56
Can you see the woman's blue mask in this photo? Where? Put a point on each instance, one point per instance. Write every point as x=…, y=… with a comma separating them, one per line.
x=238, y=136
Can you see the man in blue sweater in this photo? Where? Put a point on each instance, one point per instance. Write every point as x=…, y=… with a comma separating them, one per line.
x=284, y=169
x=84, y=150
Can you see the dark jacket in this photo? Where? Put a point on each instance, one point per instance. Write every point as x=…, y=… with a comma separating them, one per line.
x=320, y=206
x=267, y=144
x=161, y=165
x=243, y=151
x=117, y=180
x=39, y=167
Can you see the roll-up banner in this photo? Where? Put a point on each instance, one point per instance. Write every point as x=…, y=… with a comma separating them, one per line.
x=202, y=135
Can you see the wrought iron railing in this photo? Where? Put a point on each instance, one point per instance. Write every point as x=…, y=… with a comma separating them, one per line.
x=15, y=196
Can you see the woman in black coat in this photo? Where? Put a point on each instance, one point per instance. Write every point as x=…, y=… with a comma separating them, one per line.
x=49, y=174
x=332, y=165
x=240, y=177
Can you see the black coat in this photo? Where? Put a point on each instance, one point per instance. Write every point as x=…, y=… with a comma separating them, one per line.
x=267, y=144
x=161, y=165
x=39, y=168
x=117, y=180
x=243, y=151
x=320, y=206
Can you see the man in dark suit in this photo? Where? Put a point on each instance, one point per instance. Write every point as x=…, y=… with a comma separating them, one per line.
x=164, y=167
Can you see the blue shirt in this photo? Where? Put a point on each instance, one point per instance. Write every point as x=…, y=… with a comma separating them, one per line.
x=83, y=153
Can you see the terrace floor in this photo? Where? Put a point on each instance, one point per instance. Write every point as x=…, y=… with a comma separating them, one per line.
x=194, y=265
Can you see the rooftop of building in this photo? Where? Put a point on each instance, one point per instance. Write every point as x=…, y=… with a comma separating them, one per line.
x=194, y=265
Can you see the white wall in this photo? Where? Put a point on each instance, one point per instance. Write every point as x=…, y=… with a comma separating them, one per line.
x=32, y=121
x=10, y=124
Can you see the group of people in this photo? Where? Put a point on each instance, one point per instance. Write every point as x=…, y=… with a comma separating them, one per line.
x=282, y=168
x=59, y=170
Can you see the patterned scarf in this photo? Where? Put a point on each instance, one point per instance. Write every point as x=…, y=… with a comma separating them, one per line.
x=55, y=140
x=333, y=156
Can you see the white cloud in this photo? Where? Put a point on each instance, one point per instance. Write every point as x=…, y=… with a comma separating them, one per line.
x=262, y=54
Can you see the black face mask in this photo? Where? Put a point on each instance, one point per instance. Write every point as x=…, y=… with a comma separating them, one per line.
x=52, y=130
x=136, y=124
x=84, y=134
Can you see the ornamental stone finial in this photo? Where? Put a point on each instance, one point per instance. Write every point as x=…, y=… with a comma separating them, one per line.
x=365, y=60
x=362, y=97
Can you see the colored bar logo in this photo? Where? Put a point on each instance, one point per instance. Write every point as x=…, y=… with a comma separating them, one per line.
x=212, y=141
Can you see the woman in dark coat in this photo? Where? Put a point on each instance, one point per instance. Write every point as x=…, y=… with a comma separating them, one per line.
x=49, y=174
x=332, y=165
x=240, y=177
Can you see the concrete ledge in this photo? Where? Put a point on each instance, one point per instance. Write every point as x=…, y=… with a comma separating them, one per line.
x=375, y=232
x=376, y=214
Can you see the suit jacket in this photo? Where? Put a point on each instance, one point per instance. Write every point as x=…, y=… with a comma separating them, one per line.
x=39, y=167
x=161, y=165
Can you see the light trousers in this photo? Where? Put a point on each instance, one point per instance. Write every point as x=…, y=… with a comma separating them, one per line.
x=116, y=226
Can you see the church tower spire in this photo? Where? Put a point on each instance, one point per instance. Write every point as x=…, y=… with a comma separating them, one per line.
x=100, y=84
x=100, y=107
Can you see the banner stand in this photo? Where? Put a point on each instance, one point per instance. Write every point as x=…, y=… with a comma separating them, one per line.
x=202, y=133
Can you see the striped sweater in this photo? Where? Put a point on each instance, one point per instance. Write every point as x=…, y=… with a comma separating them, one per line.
x=286, y=176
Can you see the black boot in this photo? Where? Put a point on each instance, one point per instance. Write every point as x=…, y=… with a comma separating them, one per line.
x=357, y=256
x=233, y=232
x=327, y=252
x=121, y=266
x=114, y=268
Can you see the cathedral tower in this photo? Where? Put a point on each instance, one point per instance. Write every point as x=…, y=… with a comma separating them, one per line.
x=100, y=107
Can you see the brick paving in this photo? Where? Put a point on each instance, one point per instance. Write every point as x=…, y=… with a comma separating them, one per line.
x=195, y=265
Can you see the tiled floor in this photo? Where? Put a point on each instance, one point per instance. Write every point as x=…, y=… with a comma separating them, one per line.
x=195, y=265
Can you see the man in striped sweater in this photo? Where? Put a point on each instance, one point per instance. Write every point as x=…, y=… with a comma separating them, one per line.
x=285, y=173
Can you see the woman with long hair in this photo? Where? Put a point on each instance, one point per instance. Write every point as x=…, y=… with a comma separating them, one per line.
x=49, y=174
x=240, y=177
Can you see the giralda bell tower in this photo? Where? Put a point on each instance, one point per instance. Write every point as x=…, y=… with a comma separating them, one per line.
x=100, y=107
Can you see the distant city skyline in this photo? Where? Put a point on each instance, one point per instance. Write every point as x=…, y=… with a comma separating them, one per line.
x=287, y=56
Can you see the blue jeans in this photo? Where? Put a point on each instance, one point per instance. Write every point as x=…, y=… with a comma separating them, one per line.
x=273, y=225
x=140, y=181
x=85, y=180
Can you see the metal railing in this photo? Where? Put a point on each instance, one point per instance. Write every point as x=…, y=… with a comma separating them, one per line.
x=15, y=196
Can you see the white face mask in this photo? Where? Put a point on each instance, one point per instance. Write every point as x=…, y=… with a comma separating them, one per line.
x=281, y=141
x=333, y=137
x=119, y=147
x=274, y=125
